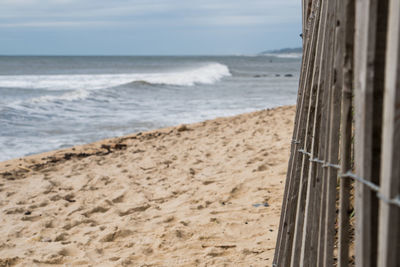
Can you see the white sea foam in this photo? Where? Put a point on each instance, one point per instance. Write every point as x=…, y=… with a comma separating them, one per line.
x=207, y=74
x=70, y=96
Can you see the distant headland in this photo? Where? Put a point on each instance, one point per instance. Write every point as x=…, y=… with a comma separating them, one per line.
x=297, y=50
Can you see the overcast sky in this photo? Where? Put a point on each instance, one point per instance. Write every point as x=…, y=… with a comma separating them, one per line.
x=147, y=27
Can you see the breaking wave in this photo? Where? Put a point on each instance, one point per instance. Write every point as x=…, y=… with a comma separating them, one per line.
x=207, y=74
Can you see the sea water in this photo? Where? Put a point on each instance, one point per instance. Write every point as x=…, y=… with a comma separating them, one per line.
x=53, y=102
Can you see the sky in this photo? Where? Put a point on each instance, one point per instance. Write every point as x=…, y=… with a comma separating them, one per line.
x=148, y=27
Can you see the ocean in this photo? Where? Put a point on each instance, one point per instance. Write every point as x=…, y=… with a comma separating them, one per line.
x=53, y=102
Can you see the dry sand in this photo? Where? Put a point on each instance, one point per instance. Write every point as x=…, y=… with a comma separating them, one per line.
x=180, y=196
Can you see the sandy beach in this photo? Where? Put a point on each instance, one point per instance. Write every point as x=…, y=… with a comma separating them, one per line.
x=204, y=194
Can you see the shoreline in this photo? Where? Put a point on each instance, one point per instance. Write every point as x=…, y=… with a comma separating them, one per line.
x=95, y=148
x=210, y=191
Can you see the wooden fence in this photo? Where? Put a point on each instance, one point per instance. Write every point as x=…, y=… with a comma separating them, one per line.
x=341, y=202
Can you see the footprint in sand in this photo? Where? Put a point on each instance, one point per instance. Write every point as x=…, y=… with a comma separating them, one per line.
x=134, y=209
x=97, y=209
x=261, y=168
x=118, y=197
x=116, y=234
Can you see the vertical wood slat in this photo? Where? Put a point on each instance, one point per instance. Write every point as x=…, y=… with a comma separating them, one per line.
x=379, y=84
x=290, y=183
x=304, y=6
x=321, y=216
x=308, y=142
x=303, y=178
x=289, y=222
x=310, y=233
x=363, y=129
x=335, y=98
x=282, y=256
x=389, y=221
x=314, y=228
x=346, y=133
x=328, y=77
x=302, y=224
x=288, y=178
x=308, y=244
x=369, y=69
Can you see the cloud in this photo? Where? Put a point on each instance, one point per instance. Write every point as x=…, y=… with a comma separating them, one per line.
x=72, y=13
x=147, y=26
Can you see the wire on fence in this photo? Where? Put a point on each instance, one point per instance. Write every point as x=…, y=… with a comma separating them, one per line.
x=394, y=201
x=295, y=141
x=317, y=160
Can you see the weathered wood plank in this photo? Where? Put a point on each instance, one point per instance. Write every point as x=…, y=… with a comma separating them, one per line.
x=309, y=251
x=322, y=174
x=328, y=77
x=346, y=133
x=290, y=181
x=285, y=236
x=306, y=53
x=389, y=221
x=309, y=141
x=283, y=257
x=334, y=137
x=369, y=46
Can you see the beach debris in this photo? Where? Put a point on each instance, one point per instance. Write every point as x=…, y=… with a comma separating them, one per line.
x=107, y=147
x=265, y=204
x=24, y=168
x=226, y=246
x=182, y=128
x=70, y=198
x=120, y=146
